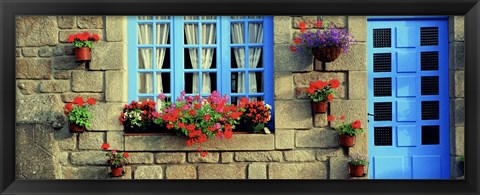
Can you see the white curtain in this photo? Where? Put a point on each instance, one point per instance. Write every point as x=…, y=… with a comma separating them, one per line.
x=237, y=34
x=145, y=56
x=162, y=30
x=208, y=36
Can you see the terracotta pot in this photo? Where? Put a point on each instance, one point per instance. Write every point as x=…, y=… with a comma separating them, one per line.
x=117, y=171
x=319, y=107
x=82, y=54
x=356, y=171
x=328, y=54
x=74, y=128
x=346, y=140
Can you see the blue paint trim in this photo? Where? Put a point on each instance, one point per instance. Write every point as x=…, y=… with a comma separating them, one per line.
x=268, y=66
x=132, y=60
x=382, y=18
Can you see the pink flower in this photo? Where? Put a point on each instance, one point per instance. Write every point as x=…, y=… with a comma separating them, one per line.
x=206, y=117
x=161, y=96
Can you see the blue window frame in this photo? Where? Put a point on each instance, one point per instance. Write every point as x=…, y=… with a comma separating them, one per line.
x=199, y=54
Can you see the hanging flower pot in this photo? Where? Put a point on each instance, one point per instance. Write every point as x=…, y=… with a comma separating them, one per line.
x=74, y=128
x=82, y=54
x=117, y=171
x=327, y=54
x=356, y=171
x=346, y=140
x=319, y=107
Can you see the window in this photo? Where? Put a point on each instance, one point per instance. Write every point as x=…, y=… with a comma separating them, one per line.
x=200, y=54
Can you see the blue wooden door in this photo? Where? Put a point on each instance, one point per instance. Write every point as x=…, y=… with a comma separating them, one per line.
x=408, y=100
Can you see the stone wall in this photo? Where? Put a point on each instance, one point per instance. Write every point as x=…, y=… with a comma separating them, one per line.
x=303, y=146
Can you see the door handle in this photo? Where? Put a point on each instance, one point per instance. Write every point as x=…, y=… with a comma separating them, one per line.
x=370, y=114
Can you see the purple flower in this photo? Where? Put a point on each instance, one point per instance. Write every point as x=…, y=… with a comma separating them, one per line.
x=161, y=96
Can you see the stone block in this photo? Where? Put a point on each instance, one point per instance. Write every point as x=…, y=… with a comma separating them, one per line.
x=459, y=140
x=456, y=28
x=45, y=52
x=105, y=117
x=257, y=171
x=339, y=168
x=287, y=61
x=33, y=68
x=354, y=59
x=325, y=154
x=115, y=82
x=226, y=157
x=351, y=109
x=195, y=157
x=281, y=29
x=63, y=34
x=54, y=86
x=65, y=139
x=69, y=50
x=357, y=27
x=66, y=22
x=458, y=111
x=38, y=108
x=116, y=139
x=108, y=56
x=304, y=79
x=115, y=28
x=18, y=52
x=361, y=144
x=338, y=21
x=320, y=120
x=67, y=63
x=91, y=140
x=293, y=114
x=357, y=85
x=181, y=172
x=297, y=171
x=69, y=97
x=459, y=84
x=271, y=156
x=30, y=51
x=456, y=55
x=316, y=138
x=284, y=139
x=140, y=158
x=90, y=22
x=27, y=87
x=89, y=158
x=36, y=31
x=58, y=50
x=85, y=172
x=176, y=143
x=299, y=155
x=308, y=20
x=91, y=81
x=62, y=74
x=170, y=158
x=148, y=172
x=222, y=171
x=63, y=158
x=283, y=86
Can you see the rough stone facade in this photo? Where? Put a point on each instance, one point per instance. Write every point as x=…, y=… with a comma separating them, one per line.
x=302, y=147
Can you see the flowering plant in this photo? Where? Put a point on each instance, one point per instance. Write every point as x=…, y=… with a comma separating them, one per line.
x=84, y=39
x=328, y=38
x=255, y=112
x=78, y=112
x=115, y=158
x=322, y=91
x=138, y=114
x=358, y=160
x=199, y=119
x=351, y=129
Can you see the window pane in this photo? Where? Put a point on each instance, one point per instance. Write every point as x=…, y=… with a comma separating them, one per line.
x=255, y=57
x=162, y=17
x=208, y=17
x=144, y=99
x=190, y=17
x=191, y=58
x=191, y=34
x=145, y=34
x=163, y=32
x=208, y=58
x=255, y=32
x=162, y=58
x=238, y=82
x=163, y=83
x=255, y=17
x=237, y=32
x=255, y=82
x=192, y=83
x=145, y=58
x=208, y=34
x=237, y=17
x=145, y=83
x=144, y=17
x=209, y=82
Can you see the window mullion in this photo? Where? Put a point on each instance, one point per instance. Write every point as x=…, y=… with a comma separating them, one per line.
x=178, y=46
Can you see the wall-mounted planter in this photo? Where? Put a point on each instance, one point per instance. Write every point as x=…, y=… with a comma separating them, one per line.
x=319, y=107
x=252, y=128
x=82, y=54
x=74, y=128
x=328, y=54
x=357, y=171
x=346, y=140
x=117, y=171
x=135, y=129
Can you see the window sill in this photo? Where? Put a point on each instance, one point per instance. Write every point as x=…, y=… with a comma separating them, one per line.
x=170, y=142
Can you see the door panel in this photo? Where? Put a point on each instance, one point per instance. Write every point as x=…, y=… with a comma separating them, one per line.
x=408, y=95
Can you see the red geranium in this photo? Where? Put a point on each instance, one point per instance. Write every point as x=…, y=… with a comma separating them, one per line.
x=330, y=118
x=84, y=39
x=78, y=112
x=105, y=146
x=351, y=129
x=356, y=124
x=321, y=90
